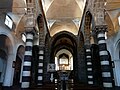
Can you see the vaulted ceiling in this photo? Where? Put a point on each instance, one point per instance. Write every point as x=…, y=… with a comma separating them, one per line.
x=112, y=13
x=63, y=15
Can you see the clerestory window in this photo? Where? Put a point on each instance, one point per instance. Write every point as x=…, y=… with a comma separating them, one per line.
x=24, y=37
x=8, y=22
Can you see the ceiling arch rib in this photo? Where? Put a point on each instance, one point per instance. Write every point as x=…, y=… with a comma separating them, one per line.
x=63, y=15
x=63, y=26
x=63, y=9
x=46, y=4
x=61, y=52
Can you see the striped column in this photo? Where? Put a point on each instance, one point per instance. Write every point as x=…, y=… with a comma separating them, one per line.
x=105, y=64
x=26, y=74
x=41, y=48
x=40, y=67
x=89, y=66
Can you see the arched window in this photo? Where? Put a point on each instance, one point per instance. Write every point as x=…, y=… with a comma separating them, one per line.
x=8, y=22
x=24, y=37
x=119, y=20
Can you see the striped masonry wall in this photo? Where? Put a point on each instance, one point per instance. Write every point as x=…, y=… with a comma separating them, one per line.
x=40, y=67
x=26, y=74
x=105, y=64
x=89, y=66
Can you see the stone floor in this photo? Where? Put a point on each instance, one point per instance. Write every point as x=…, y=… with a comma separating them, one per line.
x=58, y=87
x=55, y=87
x=41, y=88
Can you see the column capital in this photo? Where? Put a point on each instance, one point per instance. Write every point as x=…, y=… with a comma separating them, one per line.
x=101, y=28
x=42, y=47
x=30, y=30
x=87, y=46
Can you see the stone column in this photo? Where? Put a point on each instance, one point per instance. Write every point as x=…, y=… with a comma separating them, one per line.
x=29, y=25
x=89, y=65
x=105, y=63
x=40, y=66
x=26, y=74
x=87, y=48
x=41, y=49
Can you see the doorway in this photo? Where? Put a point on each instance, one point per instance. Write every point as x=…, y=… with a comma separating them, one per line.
x=17, y=65
x=17, y=72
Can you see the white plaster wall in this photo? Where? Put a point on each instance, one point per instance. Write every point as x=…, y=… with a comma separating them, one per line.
x=9, y=73
x=2, y=69
x=113, y=48
x=117, y=72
